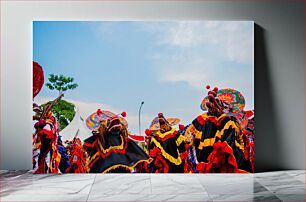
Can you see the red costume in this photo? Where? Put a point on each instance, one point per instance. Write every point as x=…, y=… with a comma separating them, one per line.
x=47, y=134
x=76, y=157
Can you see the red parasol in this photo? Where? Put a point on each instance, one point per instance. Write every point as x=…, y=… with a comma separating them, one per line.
x=38, y=78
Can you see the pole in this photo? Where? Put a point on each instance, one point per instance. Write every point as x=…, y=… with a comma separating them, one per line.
x=139, y=117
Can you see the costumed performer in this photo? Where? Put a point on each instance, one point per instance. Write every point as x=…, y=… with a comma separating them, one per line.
x=110, y=150
x=167, y=148
x=47, y=134
x=218, y=139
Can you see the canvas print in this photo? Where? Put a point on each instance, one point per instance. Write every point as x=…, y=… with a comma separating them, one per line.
x=143, y=97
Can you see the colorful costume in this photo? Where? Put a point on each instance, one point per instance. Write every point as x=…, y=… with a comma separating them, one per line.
x=110, y=150
x=218, y=139
x=192, y=159
x=76, y=157
x=248, y=135
x=36, y=144
x=47, y=134
x=167, y=148
x=64, y=163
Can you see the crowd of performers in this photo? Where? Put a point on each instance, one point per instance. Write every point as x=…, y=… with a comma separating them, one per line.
x=214, y=142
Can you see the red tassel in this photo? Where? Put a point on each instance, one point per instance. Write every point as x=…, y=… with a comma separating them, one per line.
x=123, y=114
x=181, y=126
x=148, y=132
x=213, y=93
x=99, y=112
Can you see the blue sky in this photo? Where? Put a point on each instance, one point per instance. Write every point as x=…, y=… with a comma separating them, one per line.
x=165, y=64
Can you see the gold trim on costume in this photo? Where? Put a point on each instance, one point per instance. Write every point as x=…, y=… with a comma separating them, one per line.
x=93, y=158
x=125, y=166
x=227, y=126
x=210, y=141
x=239, y=145
x=162, y=135
x=117, y=147
x=193, y=131
x=207, y=142
x=198, y=134
x=180, y=139
x=176, y=161
x=205, y=116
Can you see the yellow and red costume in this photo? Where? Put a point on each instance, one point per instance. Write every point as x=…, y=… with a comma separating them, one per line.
x=219, y=144
x=218, y=140
x=167, y=148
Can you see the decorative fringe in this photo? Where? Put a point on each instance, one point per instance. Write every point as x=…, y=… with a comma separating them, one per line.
x=221, y=160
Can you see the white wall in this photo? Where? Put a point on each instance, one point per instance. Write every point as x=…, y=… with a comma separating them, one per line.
x=279, y=73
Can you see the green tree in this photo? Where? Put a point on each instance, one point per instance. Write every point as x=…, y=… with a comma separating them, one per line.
x=61, y=83
x=64, y=112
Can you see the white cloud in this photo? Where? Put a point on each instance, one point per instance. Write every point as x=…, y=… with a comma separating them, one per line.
x=234, y=40
x=198, y=73
x=186, y=67
x=104, y=30
x=206, y=52
x=87, y=108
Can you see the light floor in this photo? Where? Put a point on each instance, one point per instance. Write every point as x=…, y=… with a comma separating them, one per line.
x=269, y=186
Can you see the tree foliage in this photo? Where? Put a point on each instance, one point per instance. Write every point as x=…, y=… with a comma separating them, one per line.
x=64, y=112
x=61, y=83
